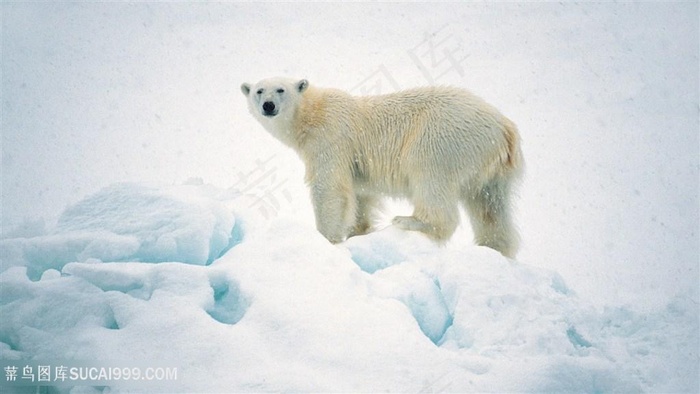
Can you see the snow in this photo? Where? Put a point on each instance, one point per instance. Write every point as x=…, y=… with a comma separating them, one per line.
x=129, y=222
x=148, y=220
x=284, y=310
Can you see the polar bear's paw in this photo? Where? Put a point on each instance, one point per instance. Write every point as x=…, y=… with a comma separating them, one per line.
x=438, y=233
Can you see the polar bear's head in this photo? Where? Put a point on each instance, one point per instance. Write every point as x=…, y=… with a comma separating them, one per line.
x=273, y=102
x=273, y=96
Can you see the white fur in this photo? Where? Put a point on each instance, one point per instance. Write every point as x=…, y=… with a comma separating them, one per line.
x=436, y=146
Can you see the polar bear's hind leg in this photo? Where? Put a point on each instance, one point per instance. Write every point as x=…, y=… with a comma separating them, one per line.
x=489, y=211
x=436, y=214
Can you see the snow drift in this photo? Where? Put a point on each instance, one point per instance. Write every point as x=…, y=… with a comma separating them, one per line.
x=185, y=275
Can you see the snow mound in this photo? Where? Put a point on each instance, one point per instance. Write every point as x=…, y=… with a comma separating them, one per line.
x=281, y=309
x=131, y=222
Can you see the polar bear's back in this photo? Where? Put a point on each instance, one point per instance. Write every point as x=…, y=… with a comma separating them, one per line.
x=435, y=132
x=452, y=112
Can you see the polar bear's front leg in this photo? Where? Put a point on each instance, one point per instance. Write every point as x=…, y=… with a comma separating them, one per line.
x=335, y=209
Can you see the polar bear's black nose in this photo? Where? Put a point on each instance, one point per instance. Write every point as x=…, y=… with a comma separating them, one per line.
x=269, y=108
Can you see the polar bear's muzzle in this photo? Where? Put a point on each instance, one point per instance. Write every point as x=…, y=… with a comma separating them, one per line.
x=269, y=109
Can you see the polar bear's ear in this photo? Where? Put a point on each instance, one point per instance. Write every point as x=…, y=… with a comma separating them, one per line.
x=245, y=88
x=302, y=85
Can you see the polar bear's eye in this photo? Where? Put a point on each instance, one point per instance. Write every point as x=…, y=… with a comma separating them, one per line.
x=260, y=91
x=280, y=91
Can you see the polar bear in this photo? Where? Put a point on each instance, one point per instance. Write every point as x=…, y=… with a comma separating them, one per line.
x=435, y=146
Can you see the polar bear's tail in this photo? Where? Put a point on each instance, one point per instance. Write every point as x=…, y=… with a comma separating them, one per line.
x=513, y=160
